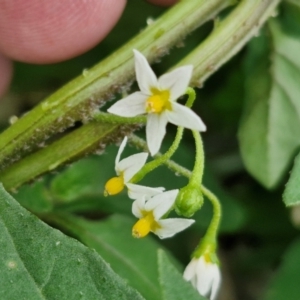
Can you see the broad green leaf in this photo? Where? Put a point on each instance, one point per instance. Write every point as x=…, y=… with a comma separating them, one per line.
x=133, y=259
x=173, y=286
x=285, y=284
x=39, y=262
x=291, y=195
x=269, y=132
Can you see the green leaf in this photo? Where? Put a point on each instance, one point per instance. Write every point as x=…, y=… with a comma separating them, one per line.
x=35, y=197
x=133, y=259
x=85, y=177
x=39, y=262
x=173, y=286
x=269, y=132
x=291, y=195
x=285, y=285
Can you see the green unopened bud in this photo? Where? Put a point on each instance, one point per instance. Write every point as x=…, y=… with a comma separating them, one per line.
x=189, y=200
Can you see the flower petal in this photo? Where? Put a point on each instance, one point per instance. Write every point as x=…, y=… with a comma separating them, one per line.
x=181, y=115
x=136, y=191
x=138, y=206
x=190, y=270
x=130, y=106
x=155, y=131
x=169, y=227
x=176, y=81
x=121, y=149
x=216, y=283
x=131, y=165
x=145, y=76
x=204, y=277
x=161, y=204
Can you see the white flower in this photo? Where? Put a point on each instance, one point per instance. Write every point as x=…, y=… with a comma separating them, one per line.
x=126, y=169
x=150, y=213
x=204, y=275
x=158, y=98
x=136, y=191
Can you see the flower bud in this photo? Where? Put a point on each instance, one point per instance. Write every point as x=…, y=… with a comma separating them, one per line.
x=189, y=200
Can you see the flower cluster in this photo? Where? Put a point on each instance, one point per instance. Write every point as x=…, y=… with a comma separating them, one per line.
x=157, y=99
x=150, y=204
x=151, y=212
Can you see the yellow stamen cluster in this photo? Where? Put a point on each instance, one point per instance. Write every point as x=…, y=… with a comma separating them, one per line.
x=207, y=258
x=143, y=226
x=114, y=185
x=159, y=101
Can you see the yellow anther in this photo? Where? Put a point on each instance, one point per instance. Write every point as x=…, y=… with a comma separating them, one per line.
x=114, y=185
x=159, y=101
x=143, y=226
x=207, y=258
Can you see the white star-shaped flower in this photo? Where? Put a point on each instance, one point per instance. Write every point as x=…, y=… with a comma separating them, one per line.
x=204, y=275
x=126, y=169
x=150, y=213
x=157, y=98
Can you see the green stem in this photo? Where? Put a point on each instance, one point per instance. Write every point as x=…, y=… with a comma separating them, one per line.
x=191, y=97
x=78, y=99
x=228, y=38
x=113, y=119
x=159, y=159
x=210, y=239
x=88, y=138
x=197, y=173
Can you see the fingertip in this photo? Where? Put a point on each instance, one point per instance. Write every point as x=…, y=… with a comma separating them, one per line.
x=37, y=31
x=6, y=70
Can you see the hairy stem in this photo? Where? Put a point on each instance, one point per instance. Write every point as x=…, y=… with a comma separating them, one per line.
x=228, y=37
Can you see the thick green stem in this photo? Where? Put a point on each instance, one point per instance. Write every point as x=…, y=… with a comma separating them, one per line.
x=79, y=98
x=88, y=138
x=228, y=37
x=113, y=119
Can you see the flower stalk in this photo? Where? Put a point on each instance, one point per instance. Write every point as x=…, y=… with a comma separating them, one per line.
x=209, y=241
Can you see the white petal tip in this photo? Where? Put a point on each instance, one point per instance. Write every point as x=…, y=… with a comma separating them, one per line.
x=203, y=128
x=111, y=110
